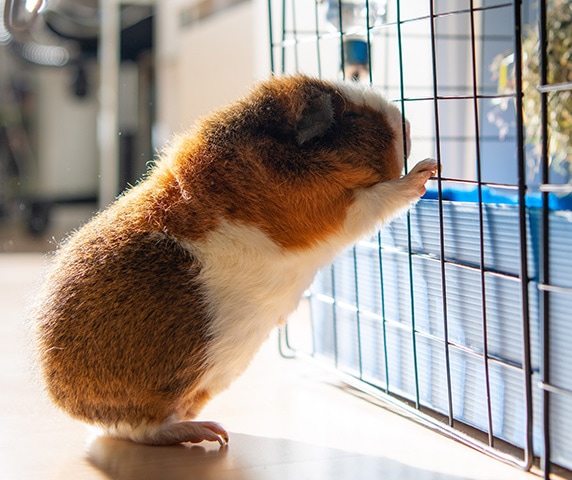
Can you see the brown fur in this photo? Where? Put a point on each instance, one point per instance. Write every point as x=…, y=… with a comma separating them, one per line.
x=99, y=366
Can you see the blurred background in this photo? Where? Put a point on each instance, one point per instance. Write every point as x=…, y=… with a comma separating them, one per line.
x=91, y=89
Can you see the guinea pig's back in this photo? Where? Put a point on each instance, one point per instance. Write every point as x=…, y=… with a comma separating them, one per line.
x=122, y=329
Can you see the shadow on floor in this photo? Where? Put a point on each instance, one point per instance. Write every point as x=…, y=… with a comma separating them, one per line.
x=245, y=458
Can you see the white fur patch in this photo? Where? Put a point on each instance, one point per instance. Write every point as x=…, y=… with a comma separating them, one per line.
x=251, y=284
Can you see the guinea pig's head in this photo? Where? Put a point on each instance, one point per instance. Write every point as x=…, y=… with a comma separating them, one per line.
x=290, y=157
x=340, y=127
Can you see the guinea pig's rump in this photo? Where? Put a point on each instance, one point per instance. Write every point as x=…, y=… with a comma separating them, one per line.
x=122, y=336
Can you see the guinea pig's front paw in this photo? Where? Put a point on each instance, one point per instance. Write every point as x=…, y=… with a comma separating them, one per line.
x=419, y=174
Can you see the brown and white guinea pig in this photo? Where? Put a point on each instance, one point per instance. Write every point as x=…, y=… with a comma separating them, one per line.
x=161, y=300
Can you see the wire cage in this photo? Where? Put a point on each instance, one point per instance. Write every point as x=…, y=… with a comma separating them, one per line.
x=459, y=311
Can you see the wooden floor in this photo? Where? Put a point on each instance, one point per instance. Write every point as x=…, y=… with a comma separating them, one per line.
x=286, y=420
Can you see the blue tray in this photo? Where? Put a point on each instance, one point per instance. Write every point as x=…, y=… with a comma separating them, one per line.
x=363, y=314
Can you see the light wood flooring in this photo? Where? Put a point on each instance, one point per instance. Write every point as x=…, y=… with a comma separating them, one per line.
x=287, y=420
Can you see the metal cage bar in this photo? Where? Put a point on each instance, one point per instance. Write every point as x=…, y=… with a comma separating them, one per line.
x=524, y=273
x=446, y=345
x=545, y=285
x=490, y=430
x=411, y=292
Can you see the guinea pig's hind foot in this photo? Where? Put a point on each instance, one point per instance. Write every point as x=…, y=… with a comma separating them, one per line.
x=189, y=431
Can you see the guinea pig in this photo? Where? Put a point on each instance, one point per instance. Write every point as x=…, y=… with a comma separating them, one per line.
x=161, y=300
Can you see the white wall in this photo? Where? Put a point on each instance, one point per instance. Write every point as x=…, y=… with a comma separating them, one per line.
x=67, y=139
x=207, y=63
x=216, y=61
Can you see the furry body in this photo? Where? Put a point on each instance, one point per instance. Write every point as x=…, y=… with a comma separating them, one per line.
x=162, y=299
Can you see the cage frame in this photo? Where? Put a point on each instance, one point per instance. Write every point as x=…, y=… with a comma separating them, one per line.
x=447, y=424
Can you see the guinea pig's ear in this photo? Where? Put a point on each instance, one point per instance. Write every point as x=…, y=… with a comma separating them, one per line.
x=316, y=118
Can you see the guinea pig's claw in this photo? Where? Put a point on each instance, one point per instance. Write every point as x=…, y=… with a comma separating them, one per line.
x=211, y=432
x=427, y=166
